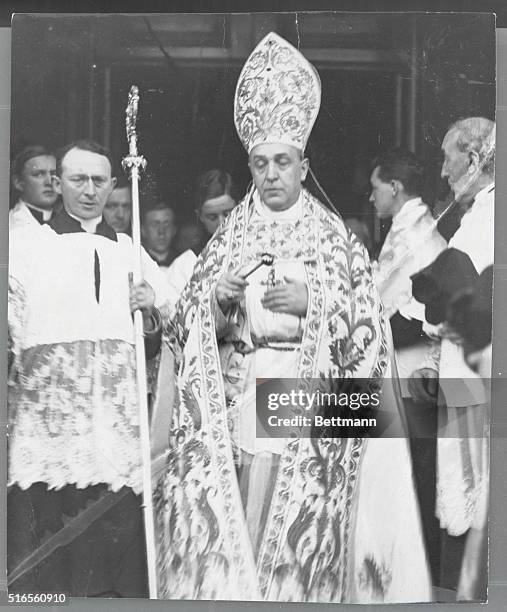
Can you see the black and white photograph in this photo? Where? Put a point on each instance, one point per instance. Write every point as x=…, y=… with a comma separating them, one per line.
x=220, y=227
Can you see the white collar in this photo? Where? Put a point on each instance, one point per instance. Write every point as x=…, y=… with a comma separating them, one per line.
x=89, y=225
x=480, y=199
x=289, y=214
x=484, y=192
x=46, y=214
x=406, y=210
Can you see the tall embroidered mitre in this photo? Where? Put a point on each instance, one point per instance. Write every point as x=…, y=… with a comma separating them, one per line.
x=277, y=96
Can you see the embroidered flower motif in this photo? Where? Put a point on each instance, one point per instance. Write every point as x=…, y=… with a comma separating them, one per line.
x=277, y=96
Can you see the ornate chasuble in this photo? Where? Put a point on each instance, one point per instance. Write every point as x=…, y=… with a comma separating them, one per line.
x=304, y=554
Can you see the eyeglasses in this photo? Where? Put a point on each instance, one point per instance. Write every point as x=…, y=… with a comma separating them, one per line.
x=80, y=180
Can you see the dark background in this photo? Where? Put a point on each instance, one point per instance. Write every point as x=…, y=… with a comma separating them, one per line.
x=7, y=7
x=387, y=79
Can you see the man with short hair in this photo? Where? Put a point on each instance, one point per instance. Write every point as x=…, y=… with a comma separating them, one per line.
x=411, y=244
x=158, y=229
x=32, y=172
x=463, y=442
x=275, y=513
x=73, y=398
x=118, y=209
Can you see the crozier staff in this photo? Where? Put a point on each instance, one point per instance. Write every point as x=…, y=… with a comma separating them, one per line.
x=135, y=162
x=74, y=444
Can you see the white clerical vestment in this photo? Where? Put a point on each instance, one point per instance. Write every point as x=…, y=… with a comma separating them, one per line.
x=72, y=391
x=463, y=443
x=411, y=244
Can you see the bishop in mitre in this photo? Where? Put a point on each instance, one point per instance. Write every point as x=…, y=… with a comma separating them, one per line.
x=246, y=518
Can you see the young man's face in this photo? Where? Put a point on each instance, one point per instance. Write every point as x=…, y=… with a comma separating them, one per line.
x=278, y=171
x=158, y=230
x=214, y=211
x=35, y=184
x=85, y=183
x=118, y=209
x=382, y=195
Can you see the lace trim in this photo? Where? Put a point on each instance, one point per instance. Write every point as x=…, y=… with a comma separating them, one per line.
x=462, y=486
x=74, y=416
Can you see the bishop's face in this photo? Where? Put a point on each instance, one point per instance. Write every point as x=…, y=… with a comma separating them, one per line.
x=278, y=171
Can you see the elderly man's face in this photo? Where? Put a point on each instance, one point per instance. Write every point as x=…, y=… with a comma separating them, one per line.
x=278, y=171
x=85, y=184
x=35, y=183
x=456, y=165
x=118, y=209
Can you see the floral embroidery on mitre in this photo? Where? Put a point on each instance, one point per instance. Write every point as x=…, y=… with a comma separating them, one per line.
x=277, y=96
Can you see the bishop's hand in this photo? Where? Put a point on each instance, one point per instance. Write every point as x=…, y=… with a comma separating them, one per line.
x=230, y=290
x=290, y=297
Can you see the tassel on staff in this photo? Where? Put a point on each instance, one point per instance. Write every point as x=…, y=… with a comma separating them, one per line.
x=134, y=163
